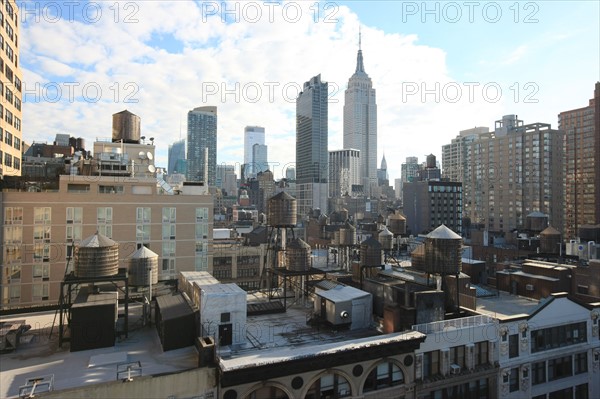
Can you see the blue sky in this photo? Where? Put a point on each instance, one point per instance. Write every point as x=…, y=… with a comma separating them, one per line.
x=438, y=67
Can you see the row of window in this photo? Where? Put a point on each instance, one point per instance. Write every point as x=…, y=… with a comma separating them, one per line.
x=456, y=355
x=9, y=139
x=74, y=215
x=10, y=118
x=6, y=93
x=10, y=161
x=561, y=367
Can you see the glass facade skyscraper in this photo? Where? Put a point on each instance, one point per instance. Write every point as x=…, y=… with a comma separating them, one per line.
x=202, y=134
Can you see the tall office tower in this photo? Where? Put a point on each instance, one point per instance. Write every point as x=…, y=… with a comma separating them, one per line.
x=409, y=171
x=222, y=172
x=360, y=122
x=10, y=84
x=581, y=165
x=311, y=147
x=202, y=135
x=513, y=172
x=344, y=173
x=176, y=153
x=259, y=158
x=290, y=173
x=252, y=135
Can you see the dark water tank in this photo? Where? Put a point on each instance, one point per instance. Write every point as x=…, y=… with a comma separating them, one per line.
x=281, y=210
x=443, y=252
x=371, y=252
x=126, y=127
x=431, y=162
x=386, y=238
x=536, y=221
x=396, y=223
x=549, y=240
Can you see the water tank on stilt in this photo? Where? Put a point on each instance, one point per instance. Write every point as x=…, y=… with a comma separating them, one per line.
x=143, y=264
x=297, y=255
x=281, y=210
x=96, y=256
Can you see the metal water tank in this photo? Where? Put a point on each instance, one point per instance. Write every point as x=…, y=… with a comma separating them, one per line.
x=96, y=256
x=282, y=210
x=386, y=238
x=348, y=235
x=343, y=214
x=536, y=221
x=443, y=252
x=143, y=264
x=370, y=252
x=126, y=127
x=297, y=254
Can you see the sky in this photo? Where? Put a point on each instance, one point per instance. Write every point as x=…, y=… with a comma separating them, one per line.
x=437, y=67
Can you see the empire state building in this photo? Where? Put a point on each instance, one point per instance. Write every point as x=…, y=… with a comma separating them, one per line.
x=360, y=122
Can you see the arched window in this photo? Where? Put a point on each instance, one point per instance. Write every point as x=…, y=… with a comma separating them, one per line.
x=385, y=375
x=329, y=386
x=268, y=392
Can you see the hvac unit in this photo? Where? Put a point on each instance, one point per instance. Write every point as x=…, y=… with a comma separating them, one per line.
x=454, y=369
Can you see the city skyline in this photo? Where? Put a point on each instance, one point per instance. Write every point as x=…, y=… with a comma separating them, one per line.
x=405, y=48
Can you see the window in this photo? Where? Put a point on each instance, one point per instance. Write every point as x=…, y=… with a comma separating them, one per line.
x=41, y=271
x=201, y=231
x=74, y=233
x=143, y=232
x=17, y=143
x=105, y=230
x=431, y=361
x=330, y=385
x=201, y=263
x=558, y=336
x=538, y=371
x=7, y=159
x=513, y=345
x=78, y=188
x=143, y=215
x=514, y=379
x=17, y=124
x=41, y=253
x=8, y=94
x=481, y=353
x=581, y=391
x=168, y=249
x=168, y=215
x=8, y=138
x=457, y=355
x=201, y=214
x=201, y=247
x=41, y=233
x=168, y=231
x=566, y=393
x=110, y=189
x=40, y=291
x=74, y=215
x=42, y=215
x=168, y=266
x=104, y=215
x=559, y=368
x=13, y=234
x=581, y=363
x=383, y=376
x=13, y=215
x=15, y=293
x=12, y=254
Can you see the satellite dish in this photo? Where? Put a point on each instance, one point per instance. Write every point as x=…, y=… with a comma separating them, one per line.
x=151, y=168
x=142, y=155
x=149, y=155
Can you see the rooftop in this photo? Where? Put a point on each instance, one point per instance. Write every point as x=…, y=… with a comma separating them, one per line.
x=505, y=307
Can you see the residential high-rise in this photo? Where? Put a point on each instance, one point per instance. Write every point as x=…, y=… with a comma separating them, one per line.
x=409, y=171
x=344, y=173
x=176, y=153
x=202, y=135
x=512, y=172
x=456, y=154
x=360, y=122
x=581, y=165
x=226, y=178
x=11, y=138
x=311, y=147
x=428, y=204
x=252, y=135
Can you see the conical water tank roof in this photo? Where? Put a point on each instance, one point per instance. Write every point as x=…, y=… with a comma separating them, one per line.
x=550, y=231
x=141, y=264
x=443, y=232
x=96, y=256
x=386, y=238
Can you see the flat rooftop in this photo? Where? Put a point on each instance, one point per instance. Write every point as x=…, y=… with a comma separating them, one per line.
x=505, y=307
x=42, y=356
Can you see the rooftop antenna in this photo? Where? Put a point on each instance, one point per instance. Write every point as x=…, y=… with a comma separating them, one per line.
x=359, y=38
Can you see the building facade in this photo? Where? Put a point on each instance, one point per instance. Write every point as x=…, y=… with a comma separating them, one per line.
x=581, y=173
x=252, y=135
x=260, y=161
x=512, y=172
x=312, y=157
x=344, y=173
x=176, y=155
x=202, y=140
x=40, y=230
x=11, y=115
x=360, y=122
x=428, y=204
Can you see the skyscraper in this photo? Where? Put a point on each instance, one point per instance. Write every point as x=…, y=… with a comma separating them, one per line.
x=11, y=137
x=311, y=146
x=259, y=158
x=202, y=134
x=176, y=153
x=344, y=172
x=252, y=135
x=360, y=122
x=581, y=165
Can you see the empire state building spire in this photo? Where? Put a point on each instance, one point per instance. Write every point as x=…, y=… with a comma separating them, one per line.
x=359, y=59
